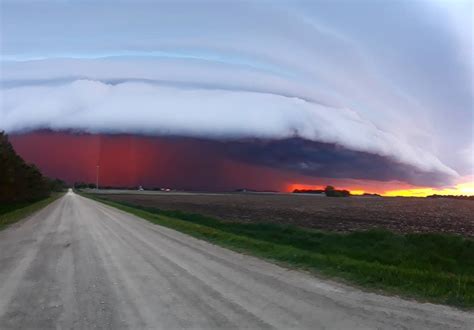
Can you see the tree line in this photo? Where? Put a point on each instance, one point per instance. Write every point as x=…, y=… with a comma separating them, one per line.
x=330, y=191
x=19, y=181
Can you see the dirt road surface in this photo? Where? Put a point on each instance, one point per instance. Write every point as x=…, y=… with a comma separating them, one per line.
x=78, y=264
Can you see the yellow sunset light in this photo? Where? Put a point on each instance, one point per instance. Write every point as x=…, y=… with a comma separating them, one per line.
x=466, y=188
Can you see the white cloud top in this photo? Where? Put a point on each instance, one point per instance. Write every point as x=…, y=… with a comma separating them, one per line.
x=384, y=79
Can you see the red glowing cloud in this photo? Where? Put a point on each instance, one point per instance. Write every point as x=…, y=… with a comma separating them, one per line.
x=131, y=160
x=128, y=160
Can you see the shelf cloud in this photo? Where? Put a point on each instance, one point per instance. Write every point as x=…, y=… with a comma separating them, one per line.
x=136, y=107
x=252, y=72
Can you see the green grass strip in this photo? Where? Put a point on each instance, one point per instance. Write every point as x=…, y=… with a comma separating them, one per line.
x=430, y=267
x=26, y=210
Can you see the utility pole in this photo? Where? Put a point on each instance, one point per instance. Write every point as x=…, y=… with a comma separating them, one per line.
x=97, y=178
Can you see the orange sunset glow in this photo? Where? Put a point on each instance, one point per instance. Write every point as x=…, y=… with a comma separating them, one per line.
x=392, y=189
x=461, y=189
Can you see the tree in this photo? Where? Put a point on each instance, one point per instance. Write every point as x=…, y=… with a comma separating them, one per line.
x=329, y=189
x=332, y=192
x=57, y=185
x=19, y=181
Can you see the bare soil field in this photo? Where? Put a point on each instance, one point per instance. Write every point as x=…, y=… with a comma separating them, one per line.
x=405, y=215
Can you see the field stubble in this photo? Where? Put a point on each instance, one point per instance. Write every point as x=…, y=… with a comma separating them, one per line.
x=402, y=215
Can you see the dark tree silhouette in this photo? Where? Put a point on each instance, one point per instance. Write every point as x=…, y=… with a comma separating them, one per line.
x=332, y=192
x=19, y=182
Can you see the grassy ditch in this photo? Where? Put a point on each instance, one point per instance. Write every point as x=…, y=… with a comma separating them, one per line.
x=15, y=212
x=430, y=267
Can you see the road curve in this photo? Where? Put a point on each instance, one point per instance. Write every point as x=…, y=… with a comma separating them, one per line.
x=78, y=264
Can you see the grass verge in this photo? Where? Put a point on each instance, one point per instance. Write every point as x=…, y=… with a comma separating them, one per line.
x=430, y=267
x=13, y=213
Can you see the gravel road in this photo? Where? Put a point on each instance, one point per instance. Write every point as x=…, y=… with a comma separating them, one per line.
x=78, y=264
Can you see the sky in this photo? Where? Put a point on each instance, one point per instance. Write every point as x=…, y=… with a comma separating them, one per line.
x=309, y=92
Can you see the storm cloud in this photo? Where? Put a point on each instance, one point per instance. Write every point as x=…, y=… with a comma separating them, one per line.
x=319, y=83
